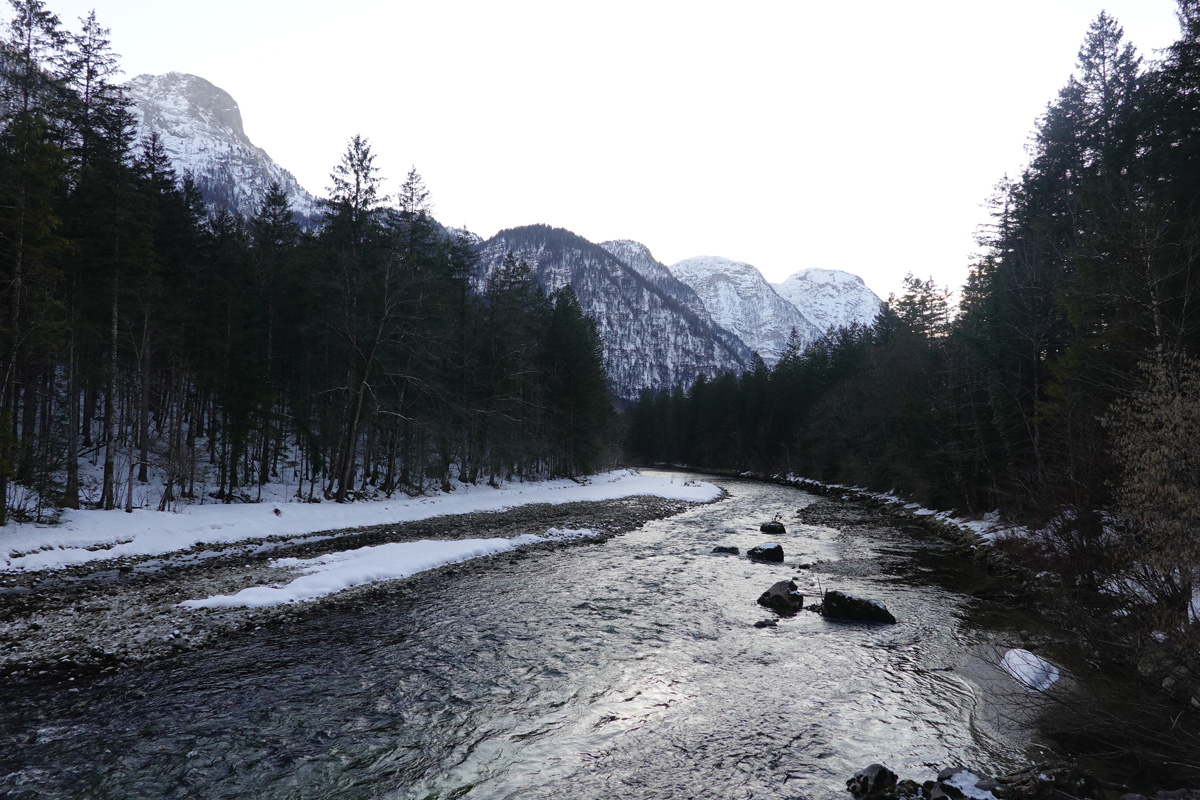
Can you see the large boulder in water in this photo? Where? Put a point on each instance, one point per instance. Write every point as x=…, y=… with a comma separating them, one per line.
x=839, y=605
x=784, y=598
x=772, y=527
x=766, y=552
x=726, y=549
x=874, y=781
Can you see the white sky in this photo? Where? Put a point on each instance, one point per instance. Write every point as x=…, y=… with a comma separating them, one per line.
x=861, y=136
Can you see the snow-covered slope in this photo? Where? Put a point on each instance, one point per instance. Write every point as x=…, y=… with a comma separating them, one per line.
x=200, y=127
x=651, y=339
x=830, y=298
x=740, y=300
x=637, y=256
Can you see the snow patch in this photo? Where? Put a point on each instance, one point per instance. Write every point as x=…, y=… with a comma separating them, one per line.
x=1031, y=671
x=967, y=782
x=336, y=572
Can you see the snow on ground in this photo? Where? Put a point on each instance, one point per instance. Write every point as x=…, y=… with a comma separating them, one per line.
x=967, y=783
x=987, y=529
x=1033, y=672
x=328, y=574
x=85, y=536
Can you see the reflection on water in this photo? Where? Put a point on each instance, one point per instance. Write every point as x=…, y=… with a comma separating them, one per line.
x=630, y=668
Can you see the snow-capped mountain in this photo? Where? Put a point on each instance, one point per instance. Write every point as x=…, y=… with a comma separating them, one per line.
x=830, y=298
x=651, y=340
x=739, y=299
x=200, y=126
x=637, y=256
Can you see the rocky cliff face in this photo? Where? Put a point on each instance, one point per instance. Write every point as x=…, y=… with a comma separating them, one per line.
x=830, y=298
x=651, y=339
x=200, y=126
x=637, y=256
x=739, y=299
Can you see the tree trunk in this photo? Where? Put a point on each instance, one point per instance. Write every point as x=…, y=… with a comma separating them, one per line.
x=71, y=491
x=108, y=491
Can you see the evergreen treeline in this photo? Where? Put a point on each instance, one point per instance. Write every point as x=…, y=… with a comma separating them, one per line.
x=212, y=354
x=1065, y=386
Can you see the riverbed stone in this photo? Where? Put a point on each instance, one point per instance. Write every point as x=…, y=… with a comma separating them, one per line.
x=772, y=527
x=840, y=605
x=875, y=781
x=727, y=549
x=784, y=598
x=766, y=552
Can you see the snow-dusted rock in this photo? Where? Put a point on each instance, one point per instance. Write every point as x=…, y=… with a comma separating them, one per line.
x=1033, y=672
x=200, y=126
x=739, y=299
x=784, y=598
x=830, y=298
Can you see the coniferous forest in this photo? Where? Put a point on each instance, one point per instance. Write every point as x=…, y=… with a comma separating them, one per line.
x=1065, y=387
x=155, y=341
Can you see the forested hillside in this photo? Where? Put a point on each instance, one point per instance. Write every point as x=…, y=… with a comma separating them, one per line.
x=1065, y=388
x=146, y=339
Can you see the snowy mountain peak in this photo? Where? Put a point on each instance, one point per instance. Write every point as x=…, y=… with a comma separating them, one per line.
x=200, y=126
x=739, y=299
x=638, y=257
x=831, y=298
x=178, y=98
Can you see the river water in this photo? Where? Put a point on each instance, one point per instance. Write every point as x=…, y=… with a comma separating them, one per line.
x=630, y=668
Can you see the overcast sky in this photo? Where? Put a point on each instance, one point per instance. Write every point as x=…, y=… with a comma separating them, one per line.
x=861, y=136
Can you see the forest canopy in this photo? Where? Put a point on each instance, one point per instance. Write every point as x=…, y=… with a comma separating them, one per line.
x=152, y=347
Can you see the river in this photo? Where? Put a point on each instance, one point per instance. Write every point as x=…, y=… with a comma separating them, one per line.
x=630, y=668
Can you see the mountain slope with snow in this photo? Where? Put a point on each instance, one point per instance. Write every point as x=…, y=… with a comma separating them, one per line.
x=200, y=126
x=651, y=339
x=830, y=298
x=739, y=299
x=638, y=257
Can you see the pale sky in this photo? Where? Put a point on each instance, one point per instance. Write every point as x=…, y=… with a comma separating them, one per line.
x=861, y=136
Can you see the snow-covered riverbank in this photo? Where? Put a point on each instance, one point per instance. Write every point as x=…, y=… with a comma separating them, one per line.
x=104, y=594
x=89, y=536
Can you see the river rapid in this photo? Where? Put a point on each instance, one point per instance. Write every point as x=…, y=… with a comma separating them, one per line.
x=629, y=668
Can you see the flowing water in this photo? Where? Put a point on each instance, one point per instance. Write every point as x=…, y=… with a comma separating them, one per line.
x=625, y=669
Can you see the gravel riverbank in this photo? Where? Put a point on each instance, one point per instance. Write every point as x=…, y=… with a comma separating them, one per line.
x=104, y=615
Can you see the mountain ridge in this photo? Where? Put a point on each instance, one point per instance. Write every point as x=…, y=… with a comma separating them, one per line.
x=200, y=127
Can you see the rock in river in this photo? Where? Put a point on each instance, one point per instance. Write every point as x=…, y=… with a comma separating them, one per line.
x=783, y=598
x=839, y=605
x=871, y=782
x=766, y=552
x=728, y=549
x=774, y=526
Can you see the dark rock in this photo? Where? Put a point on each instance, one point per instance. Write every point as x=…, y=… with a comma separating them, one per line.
x=783, y=598
x=767, y=623
x=730, y=549
x=774, y=526
x=839, y=605
x=766, y=552
x=874, y=781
